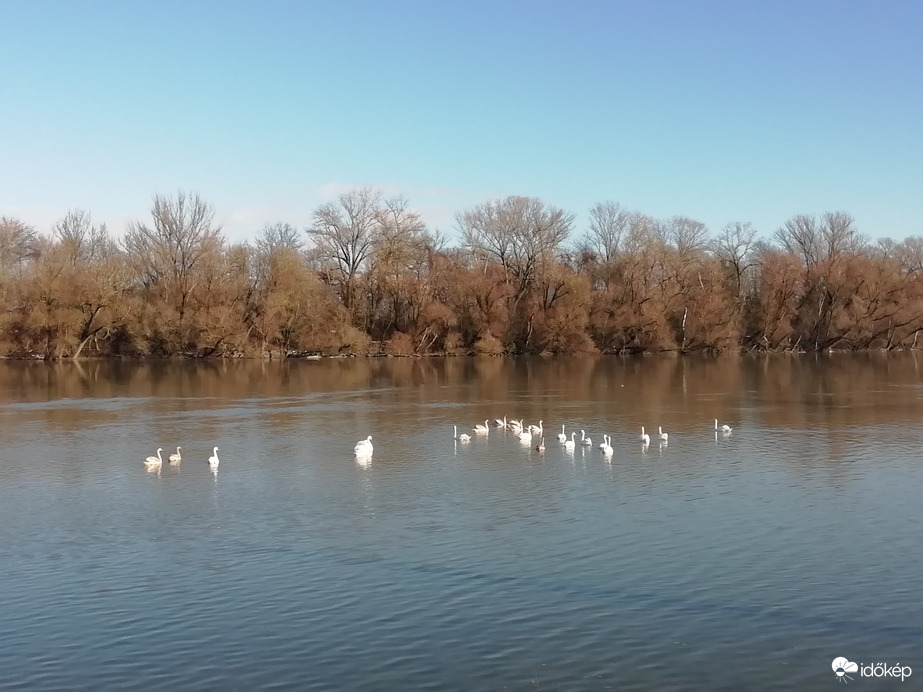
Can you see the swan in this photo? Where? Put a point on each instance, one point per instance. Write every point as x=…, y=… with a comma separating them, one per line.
x=602, y=445
x=500, y=423
x=176, y=458
x=662, y=435
x=363, y=448
x=537, y=429
x=525, y=436
x=584, y=440
x=570, y=444
x=561, y=436
x=606, y=447
x=645, y=438
x=481, y=429
x=213, y=460
x=464, y=437
x=514, y=425
x=154, y=462
x=541, y=445
x=722, y=428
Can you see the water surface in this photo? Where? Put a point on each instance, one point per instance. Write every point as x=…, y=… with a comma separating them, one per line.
x=741, y=561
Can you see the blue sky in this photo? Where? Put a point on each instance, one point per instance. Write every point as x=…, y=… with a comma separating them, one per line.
x=724, y=111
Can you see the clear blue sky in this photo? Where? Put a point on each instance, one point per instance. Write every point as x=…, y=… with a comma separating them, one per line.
x=733, y=110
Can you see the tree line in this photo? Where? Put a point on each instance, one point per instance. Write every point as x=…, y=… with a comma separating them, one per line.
x=368, y=277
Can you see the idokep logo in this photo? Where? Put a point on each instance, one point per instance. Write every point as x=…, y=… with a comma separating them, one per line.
x=843, y=666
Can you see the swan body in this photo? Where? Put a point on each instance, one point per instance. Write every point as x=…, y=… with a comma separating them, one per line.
x=585, y=440
x=570, y=444
x=605, y=446
x=541, y=445
x=176, y=458
x=213, y=460
x=481, y=429
x=525, y=436
x=514, y=425
x=602, y=445
x=464, y=437
x=154, y=462
x=537, y=429
x=561, y=436
x=645, y=438
x=364, y=447
x=500, y=423
x=662, y=435
x=722, y=428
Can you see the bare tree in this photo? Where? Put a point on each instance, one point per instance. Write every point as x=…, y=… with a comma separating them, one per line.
x=344, y=234
x=609, y=224
x=279, y=235
x=733, y=247
x=80, y=239
x=801, y=237
x=18, y=242
x=518, y=233
x=686, y=235
x=169, y=254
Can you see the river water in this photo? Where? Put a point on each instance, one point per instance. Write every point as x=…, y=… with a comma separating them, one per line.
x=747, y=560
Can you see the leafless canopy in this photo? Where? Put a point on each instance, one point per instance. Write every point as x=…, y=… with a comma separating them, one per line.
x=182, y=234
x=517, y=232
x=18, y=242
x=81, y=240
x=344, y=232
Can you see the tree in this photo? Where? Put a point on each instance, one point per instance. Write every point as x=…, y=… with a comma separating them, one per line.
x=609, y=224
x=518, y=233
x=733, y=248
x=167, y=256
x=344, y=234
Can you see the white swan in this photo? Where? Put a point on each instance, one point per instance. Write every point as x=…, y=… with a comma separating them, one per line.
x=537, y=429
x=213, y=460
x=500, y=423
x=606, y=447
x=722, y=428
x=525, y=436
x=561, y=436
x=585, y=440
x=176, y=458
x=514, y=425
x=570, y=444
x=154, y=462
x=481, y=429
x=464, y=437
x=604, y=442
x=662, y=435
x=645, y=438
x=364, y=448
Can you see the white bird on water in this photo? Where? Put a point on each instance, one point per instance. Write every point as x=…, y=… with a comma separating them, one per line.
x=481, y=429
x=606, y=447
x=722, y=428
x=525, y=436
x=213, y=460
x=645, y=438
x=585, y=440
x=364, y=448
x=662, y=435
x=562, y=437
x=500, y=423
x=154, y=462
x=537, y=429
x=464, y=437
x=570, y=444
x=176, y=458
